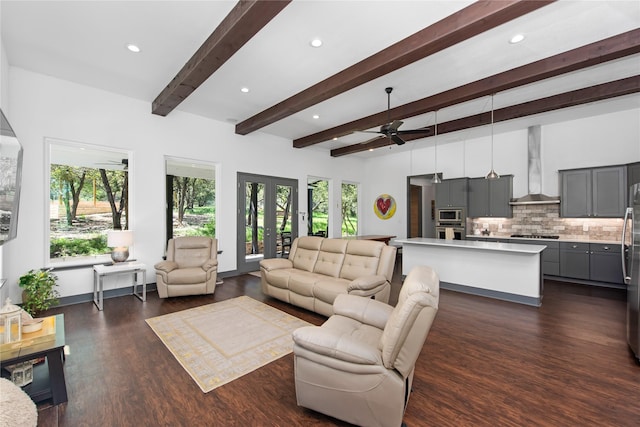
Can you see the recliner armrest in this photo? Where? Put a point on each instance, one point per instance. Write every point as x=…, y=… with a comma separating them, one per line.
x=275, y=264
x=210, y=264
x=364, y=310
x=336, y=345
x=166, y=266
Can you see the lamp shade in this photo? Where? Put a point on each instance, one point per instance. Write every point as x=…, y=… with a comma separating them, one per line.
x=119, y=238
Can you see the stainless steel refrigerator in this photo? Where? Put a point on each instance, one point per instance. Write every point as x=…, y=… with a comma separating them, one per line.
x=631, y=267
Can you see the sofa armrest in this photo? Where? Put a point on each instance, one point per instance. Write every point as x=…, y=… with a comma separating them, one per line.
x=364, y=310
x=275, y=264
x=211, y=263
x=367, y=285
x=166, y=266
x=337, y=345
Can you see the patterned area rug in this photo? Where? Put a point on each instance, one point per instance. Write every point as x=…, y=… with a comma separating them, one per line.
x=218, y=343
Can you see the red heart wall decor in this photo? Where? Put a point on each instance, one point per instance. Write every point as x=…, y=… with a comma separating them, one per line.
x=383, y=205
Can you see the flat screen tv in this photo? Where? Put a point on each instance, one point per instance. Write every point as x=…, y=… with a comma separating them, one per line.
x=10, y=179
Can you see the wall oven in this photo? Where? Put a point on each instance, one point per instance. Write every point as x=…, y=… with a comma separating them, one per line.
x=458, y=233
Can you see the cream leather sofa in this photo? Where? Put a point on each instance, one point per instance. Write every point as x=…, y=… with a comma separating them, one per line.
x=319, y=269
x=191, y=267
x=359, y=365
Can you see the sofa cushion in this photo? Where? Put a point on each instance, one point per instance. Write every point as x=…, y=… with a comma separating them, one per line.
x=303, y=283
x=362, y=259
x=331, y=257
x=304, y=252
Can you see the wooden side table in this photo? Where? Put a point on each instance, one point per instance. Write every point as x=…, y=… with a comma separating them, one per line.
x=101, y=270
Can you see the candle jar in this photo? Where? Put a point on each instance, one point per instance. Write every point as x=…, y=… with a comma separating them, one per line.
x=10, y=323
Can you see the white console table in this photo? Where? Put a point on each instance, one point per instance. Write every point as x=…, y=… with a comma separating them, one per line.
x=134, y=268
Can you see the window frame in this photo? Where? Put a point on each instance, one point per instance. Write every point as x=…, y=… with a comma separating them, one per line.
x=87, y=260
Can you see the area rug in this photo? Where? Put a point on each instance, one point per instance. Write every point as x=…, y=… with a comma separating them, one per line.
x=218, y=343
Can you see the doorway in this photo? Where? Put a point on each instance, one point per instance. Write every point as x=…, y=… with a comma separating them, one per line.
x=421, y=194
x=266, y=225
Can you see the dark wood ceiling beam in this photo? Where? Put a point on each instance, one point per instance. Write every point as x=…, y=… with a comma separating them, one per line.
x=564, y=100
x=243, y=22
x=615, y=47
x=466, y=23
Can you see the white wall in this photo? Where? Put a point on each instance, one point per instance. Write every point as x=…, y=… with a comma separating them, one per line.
x=608, y=139
x=42, y=107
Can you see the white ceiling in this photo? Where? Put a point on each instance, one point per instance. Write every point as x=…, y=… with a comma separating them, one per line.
x=85, y=42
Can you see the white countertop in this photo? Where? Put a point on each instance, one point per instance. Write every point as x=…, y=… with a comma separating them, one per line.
x=561, y=239
x=470, y=244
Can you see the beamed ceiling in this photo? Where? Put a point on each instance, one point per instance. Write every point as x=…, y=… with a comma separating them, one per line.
x=578, y=58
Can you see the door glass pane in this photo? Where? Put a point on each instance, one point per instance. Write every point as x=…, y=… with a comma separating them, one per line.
x=318, y=197
x=254, y=222
x=284, y=206
x=193, y=198
x=349, y=209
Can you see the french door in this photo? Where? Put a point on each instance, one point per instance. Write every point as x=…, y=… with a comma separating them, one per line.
x=267, y=209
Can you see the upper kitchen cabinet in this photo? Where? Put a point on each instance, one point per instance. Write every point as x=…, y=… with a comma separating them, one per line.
x=452, y=193
x=490, y=197
x=594, y=192
x=633, y=174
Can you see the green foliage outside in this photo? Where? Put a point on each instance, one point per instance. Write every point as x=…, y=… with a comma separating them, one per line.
x=64, y=247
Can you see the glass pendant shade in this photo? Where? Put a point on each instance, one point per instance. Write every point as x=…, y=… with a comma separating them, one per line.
x=492, y=173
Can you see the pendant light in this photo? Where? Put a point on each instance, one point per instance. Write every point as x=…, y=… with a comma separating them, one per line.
x=492, y=173
x=436, y=179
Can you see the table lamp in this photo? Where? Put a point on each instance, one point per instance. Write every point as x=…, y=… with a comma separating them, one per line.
x=119, y=240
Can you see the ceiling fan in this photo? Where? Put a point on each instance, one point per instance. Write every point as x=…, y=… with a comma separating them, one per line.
x=122, y=162
x=390, y=129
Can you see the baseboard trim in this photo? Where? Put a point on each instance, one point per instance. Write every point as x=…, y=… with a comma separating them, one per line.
x=504, y=296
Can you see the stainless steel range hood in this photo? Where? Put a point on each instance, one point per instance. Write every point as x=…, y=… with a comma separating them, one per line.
x=535, y=196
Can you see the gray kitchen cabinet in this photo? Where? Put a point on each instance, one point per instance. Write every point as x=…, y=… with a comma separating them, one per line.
x=594, y=192
x=604, y=263
x=574, y=260
x=490, y=197
x=550, y=256
x=452, y=193
x=633, y=174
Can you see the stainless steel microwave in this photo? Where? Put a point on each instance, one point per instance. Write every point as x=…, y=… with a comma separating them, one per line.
x=450, y=215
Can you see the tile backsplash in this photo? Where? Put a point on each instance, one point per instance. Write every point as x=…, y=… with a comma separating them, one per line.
x=545, y=219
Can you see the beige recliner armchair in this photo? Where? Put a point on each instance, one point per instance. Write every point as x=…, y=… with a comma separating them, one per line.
x=191, y=267
x=358, y=366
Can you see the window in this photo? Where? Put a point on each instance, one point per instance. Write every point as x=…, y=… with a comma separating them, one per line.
x=318, y=200
x=349, y=209
x=88, y=195
x=191, y=198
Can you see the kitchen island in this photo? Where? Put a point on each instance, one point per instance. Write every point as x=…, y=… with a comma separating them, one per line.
x=507, y=271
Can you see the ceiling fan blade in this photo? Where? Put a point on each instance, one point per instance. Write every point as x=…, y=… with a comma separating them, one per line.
x=395, y=138
x=414, y=131
x=393, y=127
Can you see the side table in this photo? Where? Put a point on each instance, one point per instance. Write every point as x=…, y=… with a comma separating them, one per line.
x=48, y=378
x=101, y=270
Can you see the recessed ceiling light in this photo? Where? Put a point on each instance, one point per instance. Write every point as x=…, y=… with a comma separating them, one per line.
x=316, y=42
x=133, y=48
x=244, y=90
x=315, y=116
x=516, y=39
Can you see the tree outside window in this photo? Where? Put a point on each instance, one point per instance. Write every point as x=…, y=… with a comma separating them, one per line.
x=349, y=209
x=88, y=196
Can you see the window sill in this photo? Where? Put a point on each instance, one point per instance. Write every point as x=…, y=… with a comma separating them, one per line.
x=70, y=263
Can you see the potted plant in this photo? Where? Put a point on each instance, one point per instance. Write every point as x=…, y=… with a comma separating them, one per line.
x=38, y=290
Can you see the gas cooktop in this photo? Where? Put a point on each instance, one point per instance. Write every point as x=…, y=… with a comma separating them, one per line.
x=535, y=236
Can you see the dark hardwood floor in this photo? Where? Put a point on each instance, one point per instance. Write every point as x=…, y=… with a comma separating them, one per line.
x=485, y=363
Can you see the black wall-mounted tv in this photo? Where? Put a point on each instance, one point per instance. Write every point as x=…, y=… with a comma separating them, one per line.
x=10, y=180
